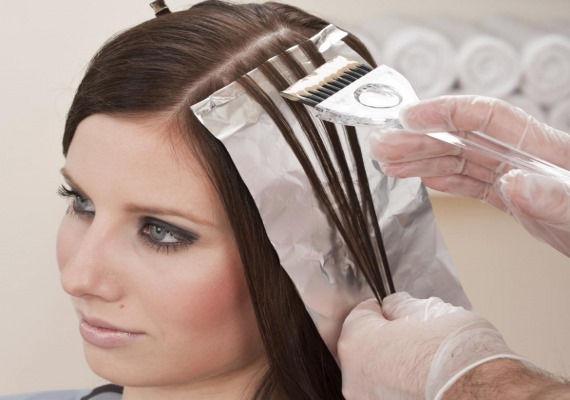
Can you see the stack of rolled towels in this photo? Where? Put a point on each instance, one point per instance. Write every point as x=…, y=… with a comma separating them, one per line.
x=524, y=63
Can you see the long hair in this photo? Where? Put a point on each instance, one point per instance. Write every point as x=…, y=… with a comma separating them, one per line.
x=163, y=66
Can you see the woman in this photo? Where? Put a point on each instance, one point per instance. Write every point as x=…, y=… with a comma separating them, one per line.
x=178, y=289
x=133, y=120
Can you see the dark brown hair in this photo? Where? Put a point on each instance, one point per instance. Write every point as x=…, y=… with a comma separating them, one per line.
x=162, y=67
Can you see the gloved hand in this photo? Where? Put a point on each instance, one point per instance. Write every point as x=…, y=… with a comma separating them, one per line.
x=412, y=349
x=541, y=204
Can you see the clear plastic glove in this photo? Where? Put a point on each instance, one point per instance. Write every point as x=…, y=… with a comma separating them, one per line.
x=539, y=203
x=413, y=349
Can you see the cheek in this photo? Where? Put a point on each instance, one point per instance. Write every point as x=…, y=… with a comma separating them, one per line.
x=210, y=298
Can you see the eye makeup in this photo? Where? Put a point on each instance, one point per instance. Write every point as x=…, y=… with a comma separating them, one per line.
x=163, y=236
x=155, y=233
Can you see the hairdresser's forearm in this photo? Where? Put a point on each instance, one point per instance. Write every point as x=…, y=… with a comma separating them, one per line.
x=506, y=379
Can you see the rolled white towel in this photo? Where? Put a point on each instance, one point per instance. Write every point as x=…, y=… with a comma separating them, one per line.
x=527, y=105
x=559, y=115
x=423, y=55
x=545, y=58
x=486, y=64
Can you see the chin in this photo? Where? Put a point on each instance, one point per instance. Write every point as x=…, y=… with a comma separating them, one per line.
x=118, y=368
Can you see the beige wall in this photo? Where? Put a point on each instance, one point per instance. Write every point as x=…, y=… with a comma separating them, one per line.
x=518, y=283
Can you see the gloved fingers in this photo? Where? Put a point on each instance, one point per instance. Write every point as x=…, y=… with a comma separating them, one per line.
x=435, y=307
x=399, y=305
x=493, y=117
x=466, y=113
x=440, y=166
x=547, y=143
x=558, y=238
x=537, y=197
x=426, y=342
x=367, y=312
x=461, y=185
x=400, y=146
x=364, y=320
x=402, y=305
x=397, y=146
x=541, y=204
x=437, y=166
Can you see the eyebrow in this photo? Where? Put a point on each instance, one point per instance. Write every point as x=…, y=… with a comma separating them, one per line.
x=140, y=209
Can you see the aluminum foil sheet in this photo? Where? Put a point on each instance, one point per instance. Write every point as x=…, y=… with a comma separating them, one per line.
x=309, y=247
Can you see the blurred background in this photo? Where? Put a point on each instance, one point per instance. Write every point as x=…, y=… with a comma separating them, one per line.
x=513, y=49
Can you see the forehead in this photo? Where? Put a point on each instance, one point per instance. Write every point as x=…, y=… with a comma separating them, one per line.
x=134, y=139
x=131, y=157
x=131, y=136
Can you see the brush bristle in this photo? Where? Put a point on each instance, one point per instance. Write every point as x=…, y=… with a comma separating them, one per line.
x=325, y=81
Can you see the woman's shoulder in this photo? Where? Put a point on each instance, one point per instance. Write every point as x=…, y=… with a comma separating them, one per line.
x=107, y=392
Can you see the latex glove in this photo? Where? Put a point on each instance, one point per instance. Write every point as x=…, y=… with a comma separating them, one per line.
x=412, y=349
x=539, y=203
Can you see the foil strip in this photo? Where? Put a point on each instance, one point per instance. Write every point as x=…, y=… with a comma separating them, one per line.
x=309, y=247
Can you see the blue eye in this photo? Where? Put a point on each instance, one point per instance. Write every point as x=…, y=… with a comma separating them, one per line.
x=82, y=204
x=162, y=236
x=79, y=205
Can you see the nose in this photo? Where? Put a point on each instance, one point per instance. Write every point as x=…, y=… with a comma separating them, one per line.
x=89, y=259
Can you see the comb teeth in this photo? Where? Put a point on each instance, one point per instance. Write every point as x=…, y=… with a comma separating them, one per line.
x=325, y=81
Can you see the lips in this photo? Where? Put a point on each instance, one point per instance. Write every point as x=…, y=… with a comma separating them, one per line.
x=105, y=335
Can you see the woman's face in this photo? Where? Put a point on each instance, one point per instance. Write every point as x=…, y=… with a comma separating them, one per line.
x=148, y=256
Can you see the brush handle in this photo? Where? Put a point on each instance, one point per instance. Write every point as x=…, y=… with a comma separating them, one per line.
x=504, y=153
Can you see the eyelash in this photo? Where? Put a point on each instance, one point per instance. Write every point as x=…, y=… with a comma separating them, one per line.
x=183, y=238
x=72, y=196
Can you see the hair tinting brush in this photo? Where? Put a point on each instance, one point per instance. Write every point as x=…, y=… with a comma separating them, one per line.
x=351, y=93
x=330, y=79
